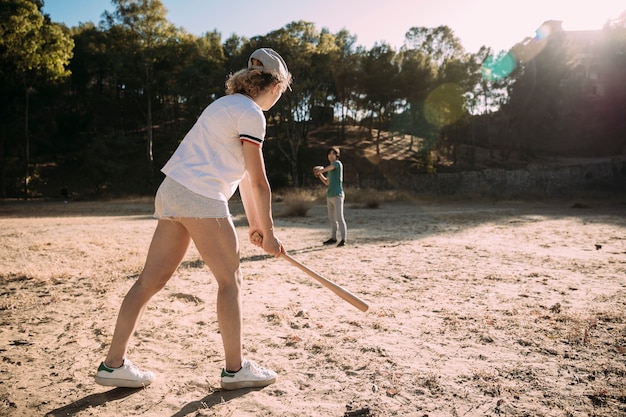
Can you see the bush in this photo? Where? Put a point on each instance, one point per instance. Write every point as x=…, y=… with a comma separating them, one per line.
x=298, y=201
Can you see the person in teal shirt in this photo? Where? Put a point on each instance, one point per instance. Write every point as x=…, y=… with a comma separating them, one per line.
x=334, y=197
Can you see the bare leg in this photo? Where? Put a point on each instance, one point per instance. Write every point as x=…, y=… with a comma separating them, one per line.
x=217, y=243
x=168, y=247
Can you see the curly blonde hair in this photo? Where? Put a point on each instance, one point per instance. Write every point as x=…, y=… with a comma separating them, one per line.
x=252, y=81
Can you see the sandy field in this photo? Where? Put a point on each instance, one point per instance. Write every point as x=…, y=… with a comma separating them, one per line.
x=477, y=308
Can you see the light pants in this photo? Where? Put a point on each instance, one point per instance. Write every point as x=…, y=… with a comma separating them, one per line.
x=335, y=217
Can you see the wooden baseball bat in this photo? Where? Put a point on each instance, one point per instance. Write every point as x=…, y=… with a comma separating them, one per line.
x=340, y=291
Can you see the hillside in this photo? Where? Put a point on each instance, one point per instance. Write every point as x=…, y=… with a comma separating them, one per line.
x=400, y=162
x=398, y=153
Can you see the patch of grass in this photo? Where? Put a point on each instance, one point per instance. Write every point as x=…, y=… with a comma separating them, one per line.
x=297, y=209
x=487, y=381
x=298, y=201
x=430, y=382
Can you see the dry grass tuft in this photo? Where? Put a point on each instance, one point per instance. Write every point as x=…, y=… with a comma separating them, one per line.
x=298, y=201
x=297, y=209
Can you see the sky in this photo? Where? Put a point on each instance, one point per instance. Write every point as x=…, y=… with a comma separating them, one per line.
x=498, y=24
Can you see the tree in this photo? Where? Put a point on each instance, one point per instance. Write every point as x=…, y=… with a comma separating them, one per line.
x=441, y=100
x=535, y=95
x=439, y=43
x=189, y=74
x=417, y=75
x=380, y=88
x=345, y=67
x=614, y=102
x=149, y=30
x=33, y=51
x=489, y=77
x=303, y=48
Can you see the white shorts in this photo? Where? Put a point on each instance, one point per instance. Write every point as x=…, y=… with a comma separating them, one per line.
x=173, y=200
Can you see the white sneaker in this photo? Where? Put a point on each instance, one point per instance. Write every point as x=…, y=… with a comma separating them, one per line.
x=250, y=375
x=127, y=376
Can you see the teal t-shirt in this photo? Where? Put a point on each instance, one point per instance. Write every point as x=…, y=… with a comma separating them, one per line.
x=335, y=180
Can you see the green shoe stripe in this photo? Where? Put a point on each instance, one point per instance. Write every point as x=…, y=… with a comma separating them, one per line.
x=105, y=368
x=224, y=373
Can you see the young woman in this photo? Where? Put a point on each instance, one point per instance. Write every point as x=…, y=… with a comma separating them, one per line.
x=221, y=152
x=334, y=196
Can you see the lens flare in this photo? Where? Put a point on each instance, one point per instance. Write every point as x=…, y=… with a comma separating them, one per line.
x=543, y=32
x=499, y=67
x=502, y=65
x=444, y=105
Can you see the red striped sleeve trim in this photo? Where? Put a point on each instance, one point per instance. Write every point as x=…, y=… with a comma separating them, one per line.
x=251, y=139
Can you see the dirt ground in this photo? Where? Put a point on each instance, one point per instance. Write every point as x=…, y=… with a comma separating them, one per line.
x=477, y=308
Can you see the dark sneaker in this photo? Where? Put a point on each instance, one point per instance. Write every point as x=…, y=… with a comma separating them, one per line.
x=330, y=241
x=127, y=376
x=250, y=375
x=341, y=243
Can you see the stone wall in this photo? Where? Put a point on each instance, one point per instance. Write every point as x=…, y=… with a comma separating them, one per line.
x=602, y=176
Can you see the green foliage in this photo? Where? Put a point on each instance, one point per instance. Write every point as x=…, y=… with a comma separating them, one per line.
x=34, y=53
x=135, y=84
x=31, y=47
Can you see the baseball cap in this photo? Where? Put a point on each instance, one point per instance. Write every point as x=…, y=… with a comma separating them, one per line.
x=272, y=62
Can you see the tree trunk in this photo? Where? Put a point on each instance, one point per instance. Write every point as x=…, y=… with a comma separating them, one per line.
x=27, y=139
x=3, y=170
x=149, y=117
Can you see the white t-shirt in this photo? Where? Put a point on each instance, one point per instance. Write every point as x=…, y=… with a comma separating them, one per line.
x=209, y=160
